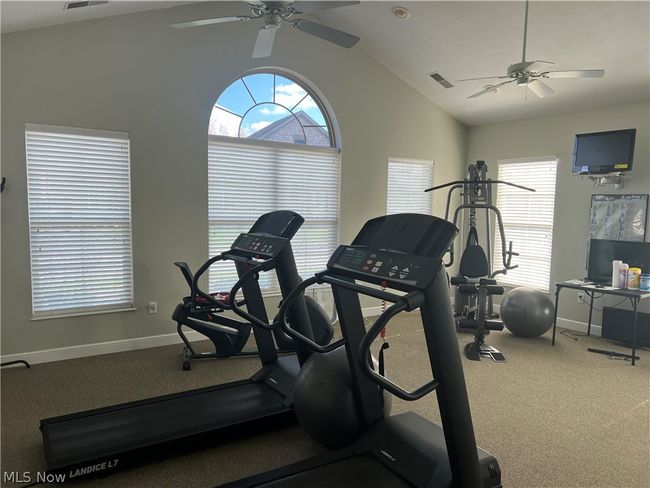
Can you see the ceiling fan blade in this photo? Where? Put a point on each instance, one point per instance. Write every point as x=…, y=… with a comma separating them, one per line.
x=490, y=89
x=536, y=66
x=540, y=89
x=581, y=73
x=327, y=33
x=307, y=7
x=483, y=78
x=217, y=20
x=264, y=43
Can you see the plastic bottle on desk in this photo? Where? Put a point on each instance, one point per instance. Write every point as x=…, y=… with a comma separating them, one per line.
x=622, y=276
x=616, y=271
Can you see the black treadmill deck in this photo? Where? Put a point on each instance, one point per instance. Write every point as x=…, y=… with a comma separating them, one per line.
x=404, y=450
x=110, y=433
x=95, y=441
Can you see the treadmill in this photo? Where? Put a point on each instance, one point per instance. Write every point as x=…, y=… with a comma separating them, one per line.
x=98, y=441
x=403, y=253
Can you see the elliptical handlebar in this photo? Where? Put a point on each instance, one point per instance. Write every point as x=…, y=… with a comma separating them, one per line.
x=195, y=290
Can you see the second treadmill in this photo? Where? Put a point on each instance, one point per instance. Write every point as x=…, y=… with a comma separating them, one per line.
x=95, y=442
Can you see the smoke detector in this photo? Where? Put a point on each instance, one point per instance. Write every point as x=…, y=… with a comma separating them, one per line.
x=401, y=13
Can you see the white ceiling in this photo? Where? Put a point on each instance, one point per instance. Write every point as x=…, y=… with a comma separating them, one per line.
x=461, y=40
x=472, y=39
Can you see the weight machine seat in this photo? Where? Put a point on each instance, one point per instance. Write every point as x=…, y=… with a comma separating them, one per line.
x=473, y=289
x=473, y=324
x=461, y=280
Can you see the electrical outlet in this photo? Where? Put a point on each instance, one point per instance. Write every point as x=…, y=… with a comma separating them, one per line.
x=153, y=307
x=581, y=297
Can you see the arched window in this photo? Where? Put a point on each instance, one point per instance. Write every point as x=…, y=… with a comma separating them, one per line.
x=266, y=106
x=271, y=146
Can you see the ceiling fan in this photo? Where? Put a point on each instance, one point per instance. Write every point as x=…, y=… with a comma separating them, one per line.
x=531, y=73
x=274, y=13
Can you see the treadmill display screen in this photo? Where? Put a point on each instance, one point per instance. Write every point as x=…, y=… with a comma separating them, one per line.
x=381, y=265
x=261, y=245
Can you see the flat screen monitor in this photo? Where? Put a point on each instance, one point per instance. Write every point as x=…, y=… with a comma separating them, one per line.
x=603, y=251
x=604, y=152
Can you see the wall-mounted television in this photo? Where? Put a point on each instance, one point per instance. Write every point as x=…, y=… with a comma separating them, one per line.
x=604, y=152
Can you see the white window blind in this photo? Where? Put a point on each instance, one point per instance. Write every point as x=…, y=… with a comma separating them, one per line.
x=527, y=220
x=79, y=220
x=407, y=181
x=248, y=180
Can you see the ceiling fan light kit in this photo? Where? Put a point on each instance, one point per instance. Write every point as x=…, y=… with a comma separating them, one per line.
x=529, y=74
x=274, y=14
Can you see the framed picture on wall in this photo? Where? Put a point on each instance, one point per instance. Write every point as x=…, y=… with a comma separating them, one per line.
x=618, y=217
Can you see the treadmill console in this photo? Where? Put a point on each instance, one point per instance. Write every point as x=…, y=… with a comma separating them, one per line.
x=398, y=270
x=259, y=245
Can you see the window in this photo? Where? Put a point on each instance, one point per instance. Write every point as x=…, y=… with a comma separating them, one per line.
x=267, y=106
x=407, y=180
x=527, y=220
x=270, y=147
x=79, y=220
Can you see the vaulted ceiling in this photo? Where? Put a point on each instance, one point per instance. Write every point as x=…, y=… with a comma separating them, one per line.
x=463, y=40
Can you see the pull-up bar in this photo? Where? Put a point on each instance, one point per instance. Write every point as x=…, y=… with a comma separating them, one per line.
x=478, y=182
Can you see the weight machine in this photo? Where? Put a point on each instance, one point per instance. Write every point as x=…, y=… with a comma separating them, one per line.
x=475, y=284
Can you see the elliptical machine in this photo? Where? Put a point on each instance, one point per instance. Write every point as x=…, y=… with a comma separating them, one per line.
x=475, y=283
x=204, y=314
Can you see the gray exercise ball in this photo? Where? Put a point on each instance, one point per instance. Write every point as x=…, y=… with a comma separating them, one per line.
x=324, y=402
x=527, y=312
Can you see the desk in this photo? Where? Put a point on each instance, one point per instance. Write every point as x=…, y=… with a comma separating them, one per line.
x=633, y=295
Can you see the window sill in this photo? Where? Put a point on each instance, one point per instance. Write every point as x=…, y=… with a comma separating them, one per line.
x=83, y=314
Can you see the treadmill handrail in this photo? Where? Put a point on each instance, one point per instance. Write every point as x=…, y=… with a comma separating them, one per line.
x=409, y=302
x=365, y=290
x=234, y=306
x=281, y=318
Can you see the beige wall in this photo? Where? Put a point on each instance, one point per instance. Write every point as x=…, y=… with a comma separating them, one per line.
x=134, y=73
x=554, y=135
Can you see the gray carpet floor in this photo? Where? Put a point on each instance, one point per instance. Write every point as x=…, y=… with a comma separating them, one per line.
x=553, y=416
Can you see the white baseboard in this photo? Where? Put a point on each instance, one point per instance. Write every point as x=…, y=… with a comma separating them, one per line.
x=85, y=350
x=570, y=324
x=122, y=345
x=578, y=326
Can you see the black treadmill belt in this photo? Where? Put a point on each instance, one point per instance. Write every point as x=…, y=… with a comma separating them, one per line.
x=88, y=437
x=356, y=471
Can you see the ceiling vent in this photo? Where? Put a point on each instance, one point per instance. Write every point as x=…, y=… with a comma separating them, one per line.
x=85, y=3
x=440, y=79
